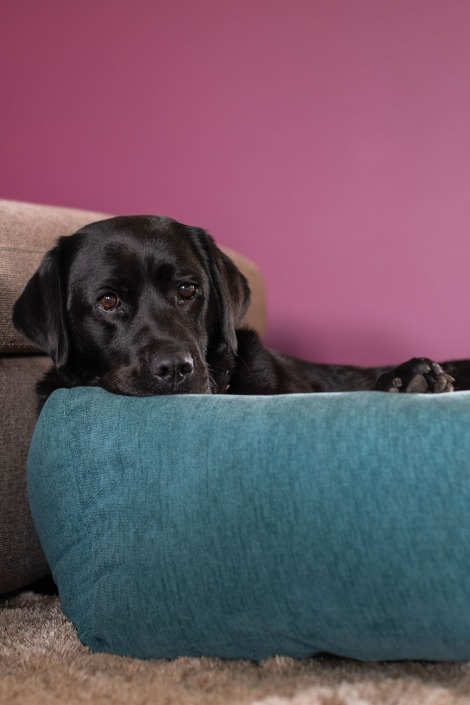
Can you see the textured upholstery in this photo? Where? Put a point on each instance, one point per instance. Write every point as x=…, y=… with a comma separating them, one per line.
x=250, y=526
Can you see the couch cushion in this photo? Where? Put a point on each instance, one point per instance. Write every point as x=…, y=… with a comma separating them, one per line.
x=243, y=527
x=21, y=558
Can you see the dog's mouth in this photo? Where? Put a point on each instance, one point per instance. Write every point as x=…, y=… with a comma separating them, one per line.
x=137, y=382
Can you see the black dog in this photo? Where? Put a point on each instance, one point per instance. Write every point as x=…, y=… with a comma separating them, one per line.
x=143, y=305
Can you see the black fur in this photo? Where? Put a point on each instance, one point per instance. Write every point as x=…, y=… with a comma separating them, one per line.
x=143, y=305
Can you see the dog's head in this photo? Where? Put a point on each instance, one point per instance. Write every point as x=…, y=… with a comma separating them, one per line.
x=139, y=305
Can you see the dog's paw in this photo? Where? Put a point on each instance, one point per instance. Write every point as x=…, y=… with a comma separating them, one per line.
x=419, y=376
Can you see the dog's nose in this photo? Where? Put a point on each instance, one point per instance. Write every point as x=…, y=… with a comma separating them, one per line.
x=172, y=369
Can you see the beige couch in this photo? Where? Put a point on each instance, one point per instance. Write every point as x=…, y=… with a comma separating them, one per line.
x=26, y=232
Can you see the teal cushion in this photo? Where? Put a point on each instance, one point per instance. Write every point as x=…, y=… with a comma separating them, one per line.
x=243, y=527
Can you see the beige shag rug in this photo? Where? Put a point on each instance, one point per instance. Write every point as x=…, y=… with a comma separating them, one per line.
x=42, y=661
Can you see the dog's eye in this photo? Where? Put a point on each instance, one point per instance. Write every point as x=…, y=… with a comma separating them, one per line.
x=109, y=301
x=186, y=291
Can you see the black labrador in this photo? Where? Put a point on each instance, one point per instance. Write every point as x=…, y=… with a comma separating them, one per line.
x=144, y=305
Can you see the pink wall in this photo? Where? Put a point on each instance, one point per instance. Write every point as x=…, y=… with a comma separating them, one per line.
x=327, y=139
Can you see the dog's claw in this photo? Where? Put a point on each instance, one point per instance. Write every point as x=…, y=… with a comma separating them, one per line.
x=417, y=376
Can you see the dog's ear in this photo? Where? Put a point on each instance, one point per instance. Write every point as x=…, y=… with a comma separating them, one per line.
x=40, y=312
x=229, y=286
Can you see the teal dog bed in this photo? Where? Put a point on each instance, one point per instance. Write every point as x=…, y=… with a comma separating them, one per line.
x=244, y=527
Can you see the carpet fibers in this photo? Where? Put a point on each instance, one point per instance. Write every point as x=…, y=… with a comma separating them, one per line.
x=42, y=661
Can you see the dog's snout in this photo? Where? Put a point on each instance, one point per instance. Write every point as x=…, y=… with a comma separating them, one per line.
x=172, y=370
